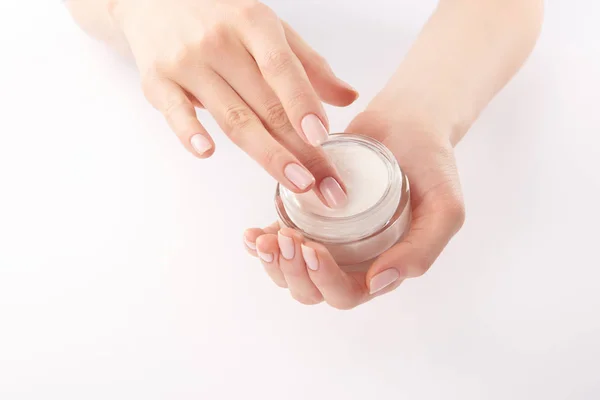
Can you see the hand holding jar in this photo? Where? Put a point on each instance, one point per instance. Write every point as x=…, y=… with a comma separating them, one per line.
x=464, y=55
x=398, y=249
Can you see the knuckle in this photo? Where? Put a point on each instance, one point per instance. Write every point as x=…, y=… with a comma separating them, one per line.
x=450, y=206
x=171, y=105
x=271, y=157
x=255, y=11
x=170, y=64
x=276, y=116
x=238, y=119
x=277, y=61
x=315, y=162
x=298, y=99
x=214, y=41
x=168, y=103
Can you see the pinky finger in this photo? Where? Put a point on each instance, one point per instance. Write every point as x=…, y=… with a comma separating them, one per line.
x=179, y=111
x=250, y=236
x=267, y=249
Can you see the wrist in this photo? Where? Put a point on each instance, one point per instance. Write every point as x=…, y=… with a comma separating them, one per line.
x=406, y=135
x=429, y=111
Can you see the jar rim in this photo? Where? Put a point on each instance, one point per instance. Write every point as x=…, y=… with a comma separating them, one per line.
x=395, y=183
x=374, y=144
x=404, y=202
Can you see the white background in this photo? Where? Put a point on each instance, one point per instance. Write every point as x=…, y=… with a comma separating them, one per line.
x=123, y=276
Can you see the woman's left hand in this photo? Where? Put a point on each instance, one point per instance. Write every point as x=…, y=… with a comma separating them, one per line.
x=309, y=271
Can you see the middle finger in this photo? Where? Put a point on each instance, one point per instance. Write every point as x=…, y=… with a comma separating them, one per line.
x=264, y=37
x=293, y=267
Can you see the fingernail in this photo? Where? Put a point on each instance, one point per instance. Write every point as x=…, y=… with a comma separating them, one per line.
x=200, y=144
x=314, y=130
x=383, y=280
x=333, y=193
x=310, y=258
x=250, y=244
x=266, y=257
x=286, y=246
x=299, y=176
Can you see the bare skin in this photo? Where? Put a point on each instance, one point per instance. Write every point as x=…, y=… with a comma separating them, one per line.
x=256, y=76
x=465, y=54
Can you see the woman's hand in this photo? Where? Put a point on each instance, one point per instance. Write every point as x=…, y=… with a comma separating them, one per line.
x=307, y=268
x=260, y=81
x=466, y=52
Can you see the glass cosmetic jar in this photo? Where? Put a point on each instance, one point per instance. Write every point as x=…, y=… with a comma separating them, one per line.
x=376, y=215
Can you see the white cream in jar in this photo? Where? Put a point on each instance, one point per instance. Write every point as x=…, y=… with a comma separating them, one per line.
x=376, y=214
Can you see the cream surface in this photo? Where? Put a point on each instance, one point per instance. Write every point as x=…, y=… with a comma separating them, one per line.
x=365, y=175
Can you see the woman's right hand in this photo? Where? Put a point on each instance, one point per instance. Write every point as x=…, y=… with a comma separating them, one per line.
x=260, y=81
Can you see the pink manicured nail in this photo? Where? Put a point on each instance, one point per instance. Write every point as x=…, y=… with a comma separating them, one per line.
x=266, y=257
x=250, y=245
x=299, y=176
x=383, y=280
x=310, y=258
x=286, y=246
x=333, y=193
x=200, y=144
x=314, y=130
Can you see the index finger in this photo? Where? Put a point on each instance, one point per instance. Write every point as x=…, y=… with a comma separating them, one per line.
x=264, y=36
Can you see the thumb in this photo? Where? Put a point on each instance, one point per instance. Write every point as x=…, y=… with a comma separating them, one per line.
x=436, y=219
x=330, y=88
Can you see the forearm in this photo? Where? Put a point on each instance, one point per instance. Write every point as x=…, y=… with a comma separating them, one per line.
x=466, y=53
x=93, y=16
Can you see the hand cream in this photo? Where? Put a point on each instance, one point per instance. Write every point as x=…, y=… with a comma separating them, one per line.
x=376, y=214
